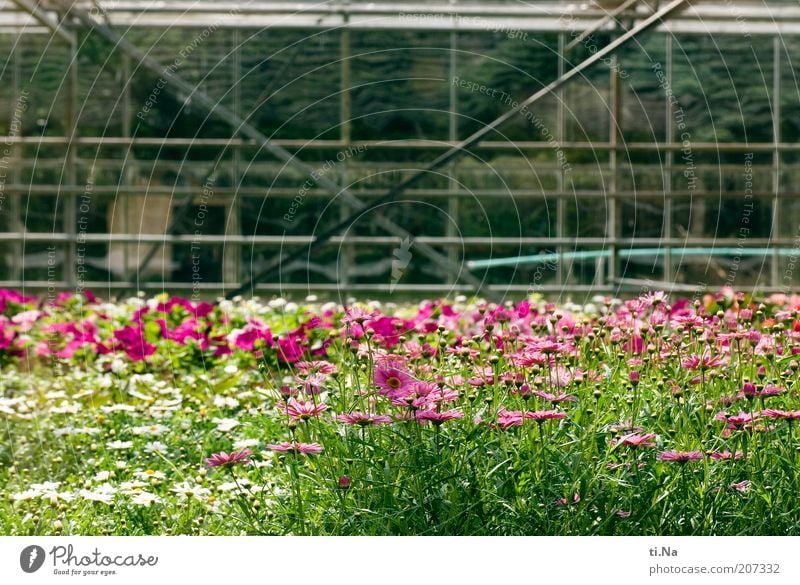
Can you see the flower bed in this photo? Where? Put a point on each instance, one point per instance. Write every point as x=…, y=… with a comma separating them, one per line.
x=165, y=416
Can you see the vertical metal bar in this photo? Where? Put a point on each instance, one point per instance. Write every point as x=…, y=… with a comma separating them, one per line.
x=452, y=200
x=669, y=161
x=613, y=225
x=15, y=209
x=775, y=232
x=70, y=198
x=348, y=254
x=127, y=170
x=561, y=202
x=345, y=105
x=232, y=253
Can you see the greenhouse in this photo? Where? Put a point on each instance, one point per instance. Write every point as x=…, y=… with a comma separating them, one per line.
x=351, y=147
x=399, y=268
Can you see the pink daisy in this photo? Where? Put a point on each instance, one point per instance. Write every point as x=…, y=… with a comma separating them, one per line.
x=220, y=459
x=637, y=440
x=509, y=418
x=303, y=410
x=680, y=456
x=540, y=415
x=363, y=419
x=307, y=448
x=438, y=418
x=391, y=378
x=723, y=455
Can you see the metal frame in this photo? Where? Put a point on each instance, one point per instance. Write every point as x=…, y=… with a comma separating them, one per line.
x=355, y=17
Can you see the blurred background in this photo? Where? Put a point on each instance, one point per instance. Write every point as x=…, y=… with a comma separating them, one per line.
x=213, y=138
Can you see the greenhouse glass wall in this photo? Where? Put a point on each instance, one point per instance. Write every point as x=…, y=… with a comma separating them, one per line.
x=216, y=140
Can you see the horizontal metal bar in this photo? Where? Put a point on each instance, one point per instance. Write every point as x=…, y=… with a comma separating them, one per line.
x=634, y=253
x=280, y=240
x=701, y=17
x=239, y=143
x=623, y=285
x=113, y=190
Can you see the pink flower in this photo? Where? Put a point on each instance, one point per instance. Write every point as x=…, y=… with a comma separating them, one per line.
x=344, y=482
x=703, y=362
x=785, y=414
x=438, y=418
x=303, y=410
x=391, y=378
x=363, y=419
x=307, y=448
x=509, y=418
x=358, y=315
x=680, y=456
x=564, y=501
x=312, y=383
x=318, y=366
x=553, y=397
x=220, y=459
x=637, y=440
x=741, y=486
x=540, y=415
x=723, y=455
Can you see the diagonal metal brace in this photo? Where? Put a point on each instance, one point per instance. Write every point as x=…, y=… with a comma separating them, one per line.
x=460, y=149
x=33, y=7
x=172, y=80
x=611, y=15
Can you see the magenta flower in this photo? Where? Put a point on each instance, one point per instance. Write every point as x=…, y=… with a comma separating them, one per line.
x=784, y=414
x=703, y=362
x=391, y=378
x=540, y=415
x=724, y=455
x=637, y=440
x=364, y=419
x=509, y=418
x=303, y=410
x=358, y=315
x=576, y=498
x=680, y=456
x=741, y=486
x=307, y=448
x=221, y=459
x=317, y=366
x=438, y=418
x=562, y=397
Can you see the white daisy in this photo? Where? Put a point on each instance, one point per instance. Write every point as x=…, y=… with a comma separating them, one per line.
x=186, y=491
x=145, y=499
x=119, y=445
x=225, y=424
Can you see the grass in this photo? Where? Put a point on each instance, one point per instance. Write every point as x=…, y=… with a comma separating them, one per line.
x=611, y=418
